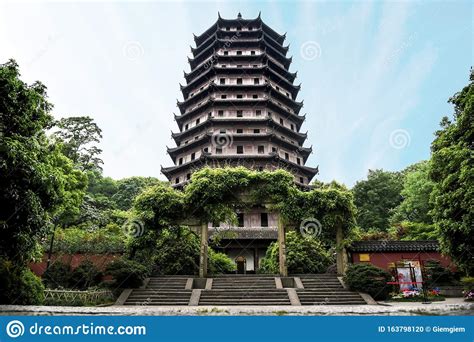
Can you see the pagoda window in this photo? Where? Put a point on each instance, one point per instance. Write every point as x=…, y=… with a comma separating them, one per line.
x=201, y=88
x=263, y=219
x=260, y=168
x=252, y=53
x=291, y=141
x=258, y=112
x=277, y=88
x=188, y=176
x=222, y=131
x=227, y=28
x=261, y=149
x=240, y=149
x=176, y=180
x=239, y=65
x=282, y=137
x=223, y=96
x=226, y=53
x=298, y=161
x=191, y=94
x=288, y=94
x=239, y=81
x=196, y=137
x=250, y=28
x=239, y=28
x=186, y=142
x=205, y=149
x=292, y=127
x=256, y=81
x=240, y=96
x=287, y=156
x=256, y=130
x=223, y=65
x=186, y=126
x=220, y=113
x=301, y=180
x=209, y=115
x=180, y=161
x=198, y=121
x=193, y=156
x=274, y=149
x=255, y=65
x=281, y=122
x=239, y=131
x=222, y=81
x=218, y=150
x=239, y=114
x=255, y=96
x=240, y=219
x=239, y=53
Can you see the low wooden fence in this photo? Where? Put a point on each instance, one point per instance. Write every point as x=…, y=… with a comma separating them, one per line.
x=89, y=296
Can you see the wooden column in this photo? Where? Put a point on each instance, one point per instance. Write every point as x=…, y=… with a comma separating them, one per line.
x=282, y=247
x=203, y=251
x=341, y=255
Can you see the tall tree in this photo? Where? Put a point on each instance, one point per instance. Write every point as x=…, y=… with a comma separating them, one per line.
x=376, y=197
x=129, y=188
x=417, y=188
x=452, y=170
x=80, y=135
x=36, y=179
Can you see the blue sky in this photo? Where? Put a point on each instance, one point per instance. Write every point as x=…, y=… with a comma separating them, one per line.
x=376, y=76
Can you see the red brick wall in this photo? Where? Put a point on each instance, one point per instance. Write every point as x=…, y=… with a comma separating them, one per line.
x=382, y=259
x=100, y=261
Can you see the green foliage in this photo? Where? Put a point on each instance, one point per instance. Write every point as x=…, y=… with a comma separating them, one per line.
x=129, y=188
x=368, y=279
x=100, y=241
x=303, y=255
x=57, y=275
x=413, y=231
x=452, y=172
x=85, y=276
x=376, y=197
x=36, y=179
x=220, y=263
x=437, y=275
x=126, y=273
x=79, y=136
x=177, y=252
x=19, y=285
x=416, y=191
x=468, y=283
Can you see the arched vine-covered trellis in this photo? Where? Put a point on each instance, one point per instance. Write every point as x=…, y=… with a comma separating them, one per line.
x=214, y=195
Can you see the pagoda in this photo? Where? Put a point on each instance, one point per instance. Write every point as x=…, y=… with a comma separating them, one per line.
x=240, y=108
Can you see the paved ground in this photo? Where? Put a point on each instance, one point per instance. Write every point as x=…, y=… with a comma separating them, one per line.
x=452, y=306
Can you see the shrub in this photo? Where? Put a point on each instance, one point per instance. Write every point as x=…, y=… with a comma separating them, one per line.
x=58, y=274
x=19, y=285
x=468, y=284
x=126, y=273
x=220, y=263
x=369, y=279
x=85, y=276
x=437, y=275
x=303, y=255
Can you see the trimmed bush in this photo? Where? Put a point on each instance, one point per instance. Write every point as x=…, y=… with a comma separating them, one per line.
x=85, y=275
x=220, y=263
x=19, y=285
x=438, y=275
x=57, y=275
x=369, y=279
x=303, y=255
x=126, y=273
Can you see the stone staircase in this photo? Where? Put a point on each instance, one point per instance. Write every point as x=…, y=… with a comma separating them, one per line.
x=320, y=289
x=326, y=289
x=161, y=291
x=244, y=290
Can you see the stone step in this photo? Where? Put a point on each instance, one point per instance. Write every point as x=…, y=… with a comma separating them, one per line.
x=170, y=303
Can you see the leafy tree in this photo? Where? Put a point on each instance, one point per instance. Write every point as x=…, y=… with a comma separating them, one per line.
x=369, y=279
x=407, y=230
x=452, y=171
x=36, y=179
x=375, y=197
x=129, y=188
x=417, y=188
x=303, y=255
x=79, y=135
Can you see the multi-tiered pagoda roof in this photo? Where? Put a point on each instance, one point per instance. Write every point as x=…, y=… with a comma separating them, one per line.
x=239, y=104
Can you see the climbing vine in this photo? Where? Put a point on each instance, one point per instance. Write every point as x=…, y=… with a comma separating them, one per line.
x=214, y=195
